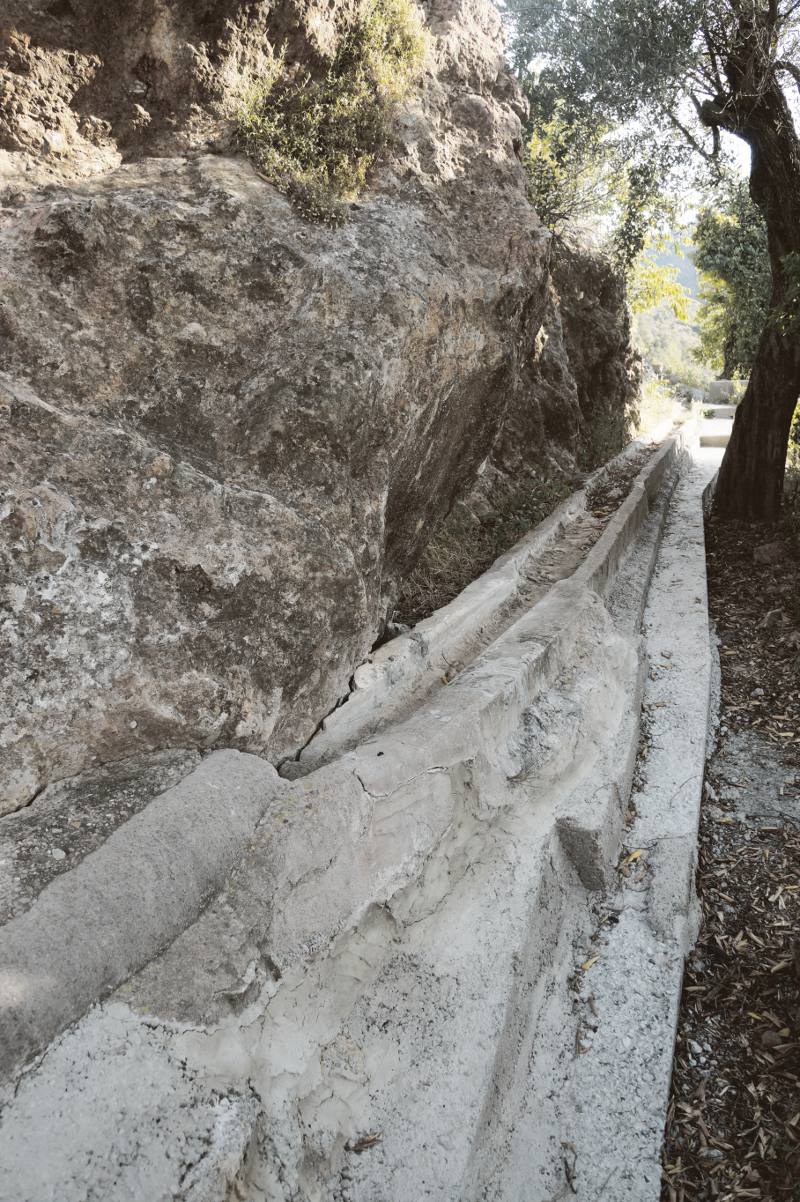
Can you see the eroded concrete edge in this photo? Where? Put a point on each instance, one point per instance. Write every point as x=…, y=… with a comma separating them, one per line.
x=630, y=996
x=398, y=668
x=94, y=925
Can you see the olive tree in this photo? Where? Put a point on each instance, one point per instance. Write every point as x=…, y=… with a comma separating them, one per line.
x=703, y=69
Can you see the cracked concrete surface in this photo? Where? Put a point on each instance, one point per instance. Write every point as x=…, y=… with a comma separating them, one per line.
x=401, y=674
x=375, y=997
x=630, y=996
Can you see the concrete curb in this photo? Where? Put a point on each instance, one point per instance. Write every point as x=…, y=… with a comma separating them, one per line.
x=92, y=927
x=635, y=986
x=410, y=664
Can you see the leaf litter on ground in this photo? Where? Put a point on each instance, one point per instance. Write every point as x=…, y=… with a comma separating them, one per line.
x=733, y=1125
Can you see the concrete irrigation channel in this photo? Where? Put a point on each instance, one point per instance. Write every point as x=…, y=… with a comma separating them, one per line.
x=438, y=954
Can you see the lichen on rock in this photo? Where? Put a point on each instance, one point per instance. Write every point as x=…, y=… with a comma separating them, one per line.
x=229, y=432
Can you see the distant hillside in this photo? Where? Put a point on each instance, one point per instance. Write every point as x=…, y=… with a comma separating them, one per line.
x=667, y=344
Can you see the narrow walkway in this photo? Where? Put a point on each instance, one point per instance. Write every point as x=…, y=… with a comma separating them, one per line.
x=630, y=986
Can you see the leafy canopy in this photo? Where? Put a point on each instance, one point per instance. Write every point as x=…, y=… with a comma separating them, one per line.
x=670, y=64
x=735, y=280
x=650, y=284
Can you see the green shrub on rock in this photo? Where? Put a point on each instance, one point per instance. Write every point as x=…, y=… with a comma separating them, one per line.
x=318, y=138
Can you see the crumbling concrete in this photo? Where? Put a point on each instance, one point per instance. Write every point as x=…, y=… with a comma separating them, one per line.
x=400, y=674
x=380, y=1001
x=95, y=924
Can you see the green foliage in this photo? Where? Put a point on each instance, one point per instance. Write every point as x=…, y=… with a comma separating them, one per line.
x=613, y=58
x=690, y=73
x=318, y=138
x=639, y=202
x=735, y=281
x=668, y=345
x=667, y=67
x=559, y=165
x=660, y=402
x=589, y=174
x=650, y=284
x=572, y=171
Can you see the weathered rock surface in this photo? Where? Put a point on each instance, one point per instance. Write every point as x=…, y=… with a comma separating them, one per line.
x=583, y=378
x=596, y=333
x=227, y=431
x=575, y=409
x=85, y=83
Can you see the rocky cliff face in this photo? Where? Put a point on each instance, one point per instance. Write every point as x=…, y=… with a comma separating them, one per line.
x=582, y=381
x=86, y=83
x=574, y=409
x=596, y=335
x=228, y=432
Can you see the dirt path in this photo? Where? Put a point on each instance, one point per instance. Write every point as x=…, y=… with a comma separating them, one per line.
x=733, y=1130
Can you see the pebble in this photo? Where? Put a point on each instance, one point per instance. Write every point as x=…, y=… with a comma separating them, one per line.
x=58, y=853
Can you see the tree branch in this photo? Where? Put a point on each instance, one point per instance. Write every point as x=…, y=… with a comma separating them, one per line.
x=783, y=64
x=709, y=125
x=713, y=113
x=712, y=54
x=715, y=140
x=709, y=156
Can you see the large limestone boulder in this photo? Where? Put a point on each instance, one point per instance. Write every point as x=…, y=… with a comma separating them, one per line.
x=596, y=334
x=580, y=389
x=227, y=431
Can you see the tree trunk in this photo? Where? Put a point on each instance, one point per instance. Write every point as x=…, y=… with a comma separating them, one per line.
x=750, y=484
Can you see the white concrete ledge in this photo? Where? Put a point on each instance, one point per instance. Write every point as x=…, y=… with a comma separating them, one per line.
x=403, y=671
x=92, y=927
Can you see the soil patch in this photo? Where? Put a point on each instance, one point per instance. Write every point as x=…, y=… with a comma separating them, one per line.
x=733, y=1128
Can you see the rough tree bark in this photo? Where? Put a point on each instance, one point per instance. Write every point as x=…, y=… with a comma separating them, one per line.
x=750, y=484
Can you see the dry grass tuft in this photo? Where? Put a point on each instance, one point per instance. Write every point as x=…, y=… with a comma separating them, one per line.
x=465, y=545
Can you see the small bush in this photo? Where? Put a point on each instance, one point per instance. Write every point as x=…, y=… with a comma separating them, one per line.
x=318, y=138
